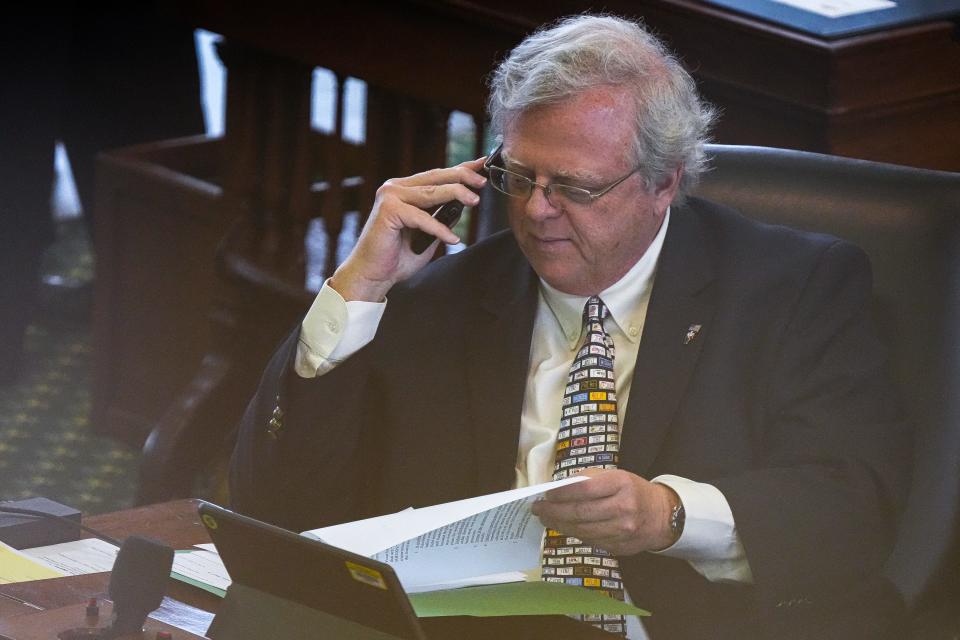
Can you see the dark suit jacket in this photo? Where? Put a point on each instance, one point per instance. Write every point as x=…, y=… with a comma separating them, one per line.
x=781, y=402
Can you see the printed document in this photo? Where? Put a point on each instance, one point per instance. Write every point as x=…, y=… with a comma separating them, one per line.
x=485, y=540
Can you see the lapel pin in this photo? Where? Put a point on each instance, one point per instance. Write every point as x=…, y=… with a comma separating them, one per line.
x=692, y=332
x=276, y=423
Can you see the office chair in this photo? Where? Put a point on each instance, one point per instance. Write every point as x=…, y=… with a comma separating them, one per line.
x=908, y=222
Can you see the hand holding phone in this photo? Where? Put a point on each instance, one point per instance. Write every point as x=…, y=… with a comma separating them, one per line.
x=448, y=214
x=385, y=251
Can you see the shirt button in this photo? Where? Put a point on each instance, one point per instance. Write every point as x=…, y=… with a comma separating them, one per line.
x=334, y=326
x=634, y=331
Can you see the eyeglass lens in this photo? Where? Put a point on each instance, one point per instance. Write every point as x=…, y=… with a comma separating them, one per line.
x=519, y=186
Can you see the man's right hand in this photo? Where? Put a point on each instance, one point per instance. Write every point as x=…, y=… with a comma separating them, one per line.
x=382, y=256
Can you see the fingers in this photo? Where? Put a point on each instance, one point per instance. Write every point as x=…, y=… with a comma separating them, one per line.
x=407, y=203
x=414, y=218
x=463, y=173
x=432, y=188
x=426, y=197
x=606, y=524
x=603, y=483
x=382, y=255
x=616, y=510
x=577, y=512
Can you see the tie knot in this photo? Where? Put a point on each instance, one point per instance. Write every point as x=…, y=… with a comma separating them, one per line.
x=594, y=310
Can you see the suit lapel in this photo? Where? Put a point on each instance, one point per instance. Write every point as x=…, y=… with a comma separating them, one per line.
x=671, y=340
x=499, y=350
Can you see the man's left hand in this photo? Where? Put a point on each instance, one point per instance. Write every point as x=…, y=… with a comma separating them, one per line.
x=615, y=510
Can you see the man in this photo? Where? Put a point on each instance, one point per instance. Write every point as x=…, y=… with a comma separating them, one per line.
x=748, y=385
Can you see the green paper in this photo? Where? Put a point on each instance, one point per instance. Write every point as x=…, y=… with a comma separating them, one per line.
x=518, y=599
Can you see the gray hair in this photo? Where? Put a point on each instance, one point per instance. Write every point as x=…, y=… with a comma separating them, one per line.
x=585, y=51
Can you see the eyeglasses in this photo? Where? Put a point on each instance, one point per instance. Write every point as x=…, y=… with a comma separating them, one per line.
x=520, y=186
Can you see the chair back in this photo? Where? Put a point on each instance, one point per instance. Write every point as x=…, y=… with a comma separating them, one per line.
x=907, y=220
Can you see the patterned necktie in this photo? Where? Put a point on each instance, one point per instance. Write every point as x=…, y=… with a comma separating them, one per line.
x=589, y=438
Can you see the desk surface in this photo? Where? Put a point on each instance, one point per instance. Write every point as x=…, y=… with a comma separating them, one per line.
x=174, y=523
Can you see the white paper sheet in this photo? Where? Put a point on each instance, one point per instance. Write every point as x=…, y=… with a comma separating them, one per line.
x=76, y=558
x=505, y=538
x=453, y=542
x=203, y=566
x=93, y=555
x=371, y=536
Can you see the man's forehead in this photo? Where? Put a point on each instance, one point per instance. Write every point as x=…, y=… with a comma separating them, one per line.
x=586, y=136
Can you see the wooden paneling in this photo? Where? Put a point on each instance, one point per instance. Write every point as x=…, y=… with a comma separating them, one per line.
x=156, y=237
x=890, y=96
x=776, y=87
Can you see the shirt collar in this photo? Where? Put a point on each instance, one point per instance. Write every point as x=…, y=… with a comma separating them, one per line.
x=621, y=297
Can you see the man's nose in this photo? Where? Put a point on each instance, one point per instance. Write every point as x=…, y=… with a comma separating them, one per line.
x=539, y=204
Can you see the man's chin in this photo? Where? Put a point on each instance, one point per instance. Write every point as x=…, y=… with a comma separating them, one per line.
x=565, y=280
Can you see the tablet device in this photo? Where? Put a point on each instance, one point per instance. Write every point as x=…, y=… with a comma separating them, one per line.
x=287, y=585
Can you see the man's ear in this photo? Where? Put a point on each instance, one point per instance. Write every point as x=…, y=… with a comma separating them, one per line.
x=666, y=191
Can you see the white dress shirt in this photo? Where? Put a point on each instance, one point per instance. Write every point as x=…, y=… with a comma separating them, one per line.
x=333, y=330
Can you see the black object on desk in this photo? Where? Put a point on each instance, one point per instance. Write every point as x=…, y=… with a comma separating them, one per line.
x=24, y=532
x=284, y=583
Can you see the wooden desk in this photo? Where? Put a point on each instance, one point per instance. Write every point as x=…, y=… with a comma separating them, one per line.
x=174, y=523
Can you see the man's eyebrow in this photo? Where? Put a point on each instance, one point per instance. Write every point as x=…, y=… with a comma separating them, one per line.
x=579, y=176
x=507, y=159
x=512, y=162
x=559, y=176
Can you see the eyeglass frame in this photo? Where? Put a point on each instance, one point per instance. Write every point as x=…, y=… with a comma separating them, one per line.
x=592, y=195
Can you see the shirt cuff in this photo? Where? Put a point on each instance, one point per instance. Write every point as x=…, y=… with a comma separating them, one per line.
x=709, y=541
x=333, y=330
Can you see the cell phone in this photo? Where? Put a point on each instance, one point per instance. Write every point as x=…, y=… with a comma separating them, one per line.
x=448, y=214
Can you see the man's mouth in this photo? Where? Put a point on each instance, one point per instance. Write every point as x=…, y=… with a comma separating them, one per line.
x=549, y=239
